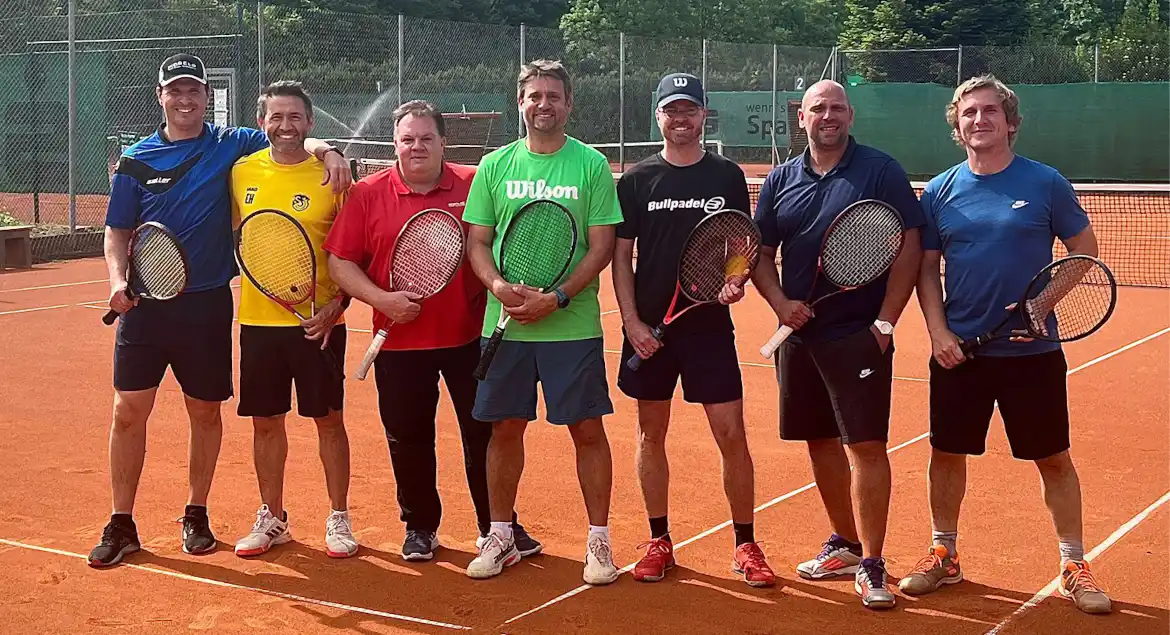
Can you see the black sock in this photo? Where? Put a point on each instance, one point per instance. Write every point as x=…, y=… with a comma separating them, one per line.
x=197, y=511
x=659, y=528
x=744, y=533
x=125, y=520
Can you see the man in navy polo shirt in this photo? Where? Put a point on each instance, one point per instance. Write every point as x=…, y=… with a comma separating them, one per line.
x=836, y=370
x=178, y=176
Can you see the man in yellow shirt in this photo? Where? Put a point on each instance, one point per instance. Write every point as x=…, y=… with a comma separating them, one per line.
x=276, y=347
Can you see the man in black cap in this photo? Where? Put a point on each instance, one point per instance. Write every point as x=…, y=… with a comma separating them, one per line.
x=663, y=198
x=178, y=177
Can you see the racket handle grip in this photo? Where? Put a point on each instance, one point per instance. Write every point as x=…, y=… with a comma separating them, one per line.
x=768, y=350
x=371, y=352
x=489, y=352
x=109, y=317
x=635, y=361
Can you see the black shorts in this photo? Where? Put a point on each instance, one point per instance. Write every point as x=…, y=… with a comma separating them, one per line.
x=1033, y=400
x=836, y=389
x=191, y=333
x=274, y=358
x=706, y=362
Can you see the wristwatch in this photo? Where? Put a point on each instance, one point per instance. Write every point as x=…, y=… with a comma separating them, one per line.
x=884, y=327
x=562, y=298
x=334, y=149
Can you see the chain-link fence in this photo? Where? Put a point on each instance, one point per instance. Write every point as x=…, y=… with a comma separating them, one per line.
x=74, y=92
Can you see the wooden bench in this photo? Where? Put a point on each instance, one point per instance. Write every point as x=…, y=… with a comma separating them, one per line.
x=16, y=247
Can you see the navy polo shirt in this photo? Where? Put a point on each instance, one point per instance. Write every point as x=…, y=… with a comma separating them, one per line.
x=796, y=207
x=184, y=186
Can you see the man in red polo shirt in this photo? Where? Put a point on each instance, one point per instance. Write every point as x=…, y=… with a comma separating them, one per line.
x=440, y=336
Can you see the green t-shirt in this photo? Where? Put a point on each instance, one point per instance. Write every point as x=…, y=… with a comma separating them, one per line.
x=578, y=177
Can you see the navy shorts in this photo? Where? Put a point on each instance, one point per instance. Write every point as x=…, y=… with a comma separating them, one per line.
x=572, y=375
x=836, y=389
x=706, y=362
x=1032, y=394
x=273, y=359
x=192, y=334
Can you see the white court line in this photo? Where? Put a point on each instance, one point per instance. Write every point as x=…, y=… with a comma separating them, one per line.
x=36, y=308
x=54, y=286
x=1092, y=555
x=808, y=486
x=229, y=585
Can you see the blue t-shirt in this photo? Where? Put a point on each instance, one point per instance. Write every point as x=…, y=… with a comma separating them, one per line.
x=796, y=207
x=184, y=186
x=995, y=233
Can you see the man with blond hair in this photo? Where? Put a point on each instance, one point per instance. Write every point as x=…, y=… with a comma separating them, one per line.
x=994, y=218
x=836, y=370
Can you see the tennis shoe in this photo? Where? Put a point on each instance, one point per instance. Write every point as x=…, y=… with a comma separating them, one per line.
x=494, y=555
x=750, y=563
x=933, y=571
x=267, y=532
x=836, y=559
x=119, y=538
x=658, y=560
x=197, y=535
x=870, y=584
x=599, y=567
x=339, y=540
x=419, y=545
x=1077, y=582
x=525, y=544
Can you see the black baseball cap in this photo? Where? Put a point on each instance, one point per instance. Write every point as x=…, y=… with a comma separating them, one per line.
x=183, y=65
x=676, y=86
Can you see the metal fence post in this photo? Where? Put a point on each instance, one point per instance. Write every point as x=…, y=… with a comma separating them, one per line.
x=72, y=117
x=703, y=134
x=260, y=44
x=622, y=101
x=523, y=56
x=775, y=63
x=1096, y=62
x=959, y=76
x=401, y=44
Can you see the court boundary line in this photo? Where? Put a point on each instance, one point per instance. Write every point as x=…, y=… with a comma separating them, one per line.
x=241, y=587
x=1054, y=584
x=808, y=486
x=54, y=286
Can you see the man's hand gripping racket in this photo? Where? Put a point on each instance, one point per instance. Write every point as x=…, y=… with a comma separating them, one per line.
x=427, y=254
x=536, y=251
x=859, y=247
x=156, y=267
x=720, y=253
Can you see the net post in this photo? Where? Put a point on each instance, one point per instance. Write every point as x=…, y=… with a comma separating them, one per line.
x=72, y=161
x=621, y=101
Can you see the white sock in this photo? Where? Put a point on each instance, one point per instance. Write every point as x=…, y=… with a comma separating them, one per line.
x=503, y=530
x=601, y=531
x=342, y=512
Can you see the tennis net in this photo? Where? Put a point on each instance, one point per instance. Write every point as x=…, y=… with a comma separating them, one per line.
x=1132, y=223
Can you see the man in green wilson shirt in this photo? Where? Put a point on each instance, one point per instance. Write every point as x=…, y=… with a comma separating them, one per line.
x=554, y=336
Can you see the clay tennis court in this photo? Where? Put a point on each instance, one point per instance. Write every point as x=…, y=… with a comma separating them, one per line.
x=55, y=410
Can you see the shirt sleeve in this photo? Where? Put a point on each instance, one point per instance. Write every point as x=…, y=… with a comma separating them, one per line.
x=604, y=208
x=631, y=215
x=893, y=187
x=1068, y=217
x=480, y=208
x=248, y=140
x=347, y=236
x=929, y=236
x=125, y=202
x=766, y=213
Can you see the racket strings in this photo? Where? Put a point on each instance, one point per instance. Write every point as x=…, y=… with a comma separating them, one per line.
x=278, y=257
x=1076, y=298
x=862, y=245
x=158, y=264
x=723, y=248
x=538, y=246
x=427, y=254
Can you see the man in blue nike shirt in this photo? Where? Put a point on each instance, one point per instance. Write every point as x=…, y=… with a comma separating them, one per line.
x=178, y=176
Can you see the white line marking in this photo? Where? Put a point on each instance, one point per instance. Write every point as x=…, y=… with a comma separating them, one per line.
x=54, y=286
x=38, y=308
x=806, y=487
x=1092, y=555
x=229, y=585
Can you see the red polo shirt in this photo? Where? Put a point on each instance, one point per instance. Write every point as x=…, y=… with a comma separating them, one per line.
x=364, y=232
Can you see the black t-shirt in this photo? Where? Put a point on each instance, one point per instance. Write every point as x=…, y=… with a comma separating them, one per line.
x=661, y=203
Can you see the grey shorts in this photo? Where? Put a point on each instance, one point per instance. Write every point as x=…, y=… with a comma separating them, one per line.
x=572, y=375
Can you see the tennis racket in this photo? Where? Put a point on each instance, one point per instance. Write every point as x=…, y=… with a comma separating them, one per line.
x=156, y=267
x=723, y=247
x=275, y=252
x=536, y=251
x=1067, y=300
x=427, y=253
x=859, y=247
